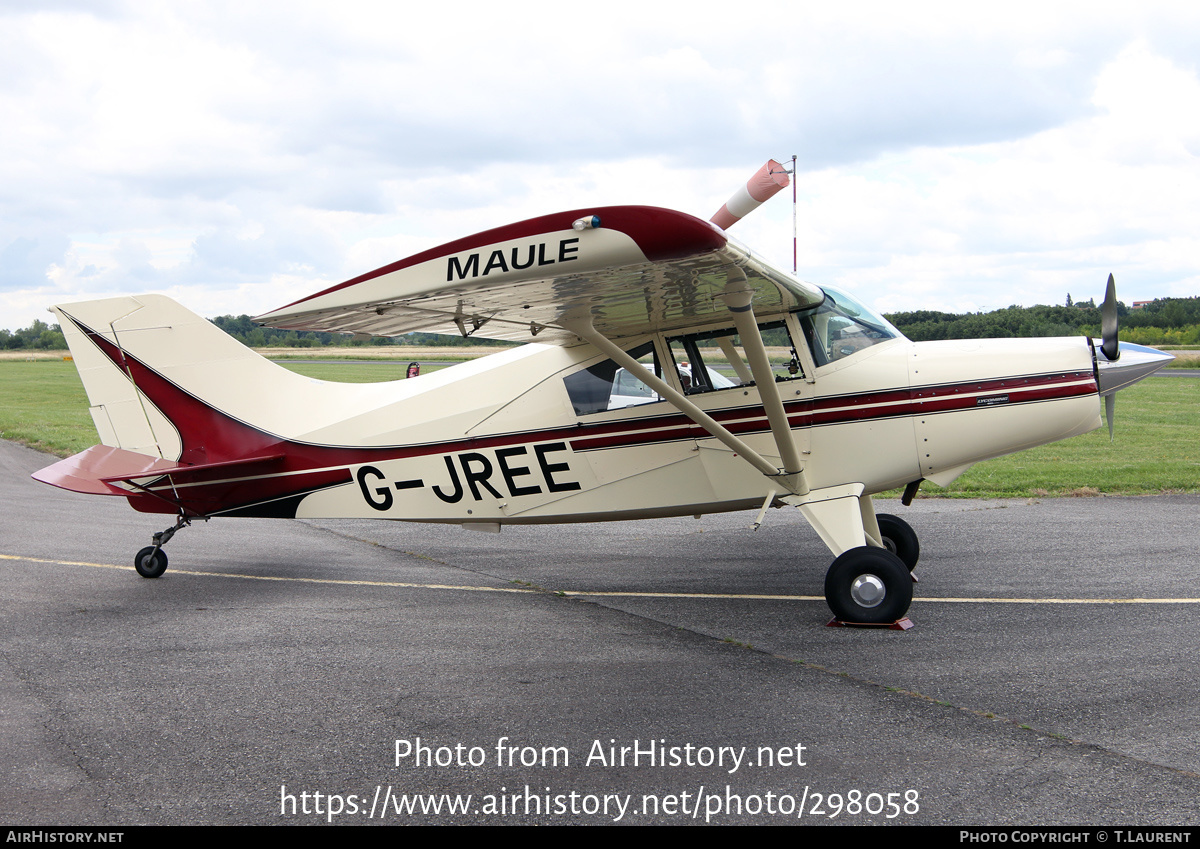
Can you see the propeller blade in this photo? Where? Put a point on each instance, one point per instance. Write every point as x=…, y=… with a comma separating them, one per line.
x=1110, y=407
x=1108, y=322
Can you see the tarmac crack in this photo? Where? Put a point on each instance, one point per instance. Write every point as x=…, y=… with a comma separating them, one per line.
x=982, y=714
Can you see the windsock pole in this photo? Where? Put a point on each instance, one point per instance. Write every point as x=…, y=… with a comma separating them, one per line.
x=769, y=179
x=795, y=261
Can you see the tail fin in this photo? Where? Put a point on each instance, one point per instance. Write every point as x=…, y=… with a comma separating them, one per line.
x=164, y=382
x=192, y=421
x=124, y=418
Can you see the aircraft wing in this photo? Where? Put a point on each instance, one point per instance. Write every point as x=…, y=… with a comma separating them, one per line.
x=636, y=269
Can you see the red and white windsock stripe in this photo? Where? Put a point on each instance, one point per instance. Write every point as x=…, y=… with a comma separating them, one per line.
x=766, y=182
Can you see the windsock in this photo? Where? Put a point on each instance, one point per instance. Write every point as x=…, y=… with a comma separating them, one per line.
x=766, y=182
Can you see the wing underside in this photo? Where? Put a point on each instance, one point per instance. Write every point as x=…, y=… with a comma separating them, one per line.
x=632, y=270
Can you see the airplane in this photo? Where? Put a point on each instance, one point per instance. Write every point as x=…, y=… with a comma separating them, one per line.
x=195, y=425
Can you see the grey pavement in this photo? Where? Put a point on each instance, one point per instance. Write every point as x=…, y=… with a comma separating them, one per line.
x=276, y=659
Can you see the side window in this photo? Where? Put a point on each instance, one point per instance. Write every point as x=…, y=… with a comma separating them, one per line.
x=607, y=386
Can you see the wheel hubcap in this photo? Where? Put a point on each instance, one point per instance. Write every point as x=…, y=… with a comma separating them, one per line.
x=867, y=591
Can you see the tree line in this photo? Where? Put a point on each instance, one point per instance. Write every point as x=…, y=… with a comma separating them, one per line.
x=1173, y=321
x=1167, y=321
x=42, y=336
x=37, y=336
x=247, y=332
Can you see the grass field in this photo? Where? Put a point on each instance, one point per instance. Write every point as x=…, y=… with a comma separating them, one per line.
x=1157, y=448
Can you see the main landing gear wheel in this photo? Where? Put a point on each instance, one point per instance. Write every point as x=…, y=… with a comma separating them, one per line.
x=150, y=562
x=899, y=538
x=868, y=585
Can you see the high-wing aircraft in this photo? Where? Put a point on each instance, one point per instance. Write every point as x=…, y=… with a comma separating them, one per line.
x=645, y=391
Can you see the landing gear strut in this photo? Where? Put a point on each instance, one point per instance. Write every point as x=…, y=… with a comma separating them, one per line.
x=151, y=561
x=870, y=581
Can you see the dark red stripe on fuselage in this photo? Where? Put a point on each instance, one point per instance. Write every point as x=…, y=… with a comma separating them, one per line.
x=866, y=406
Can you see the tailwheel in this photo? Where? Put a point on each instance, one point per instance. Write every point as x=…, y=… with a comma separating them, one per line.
x=150, y=562
x=868, y=585
x=899, y=538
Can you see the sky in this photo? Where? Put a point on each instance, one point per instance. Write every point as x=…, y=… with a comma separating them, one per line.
x=238, y=156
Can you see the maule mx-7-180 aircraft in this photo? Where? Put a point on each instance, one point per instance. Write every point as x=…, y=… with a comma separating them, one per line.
x=614, y=411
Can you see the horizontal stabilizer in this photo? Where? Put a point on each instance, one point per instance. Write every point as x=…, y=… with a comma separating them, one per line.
x=90, y=471
x=186, y=472
x=96, y=470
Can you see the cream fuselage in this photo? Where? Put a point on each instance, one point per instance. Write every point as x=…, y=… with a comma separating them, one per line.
x=509, y=447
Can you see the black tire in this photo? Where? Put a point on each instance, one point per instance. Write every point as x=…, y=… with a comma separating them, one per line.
x=150, y=562
x=884, y=575
x=900, y=539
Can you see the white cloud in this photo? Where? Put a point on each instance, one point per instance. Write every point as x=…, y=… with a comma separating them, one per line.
x=244, y=155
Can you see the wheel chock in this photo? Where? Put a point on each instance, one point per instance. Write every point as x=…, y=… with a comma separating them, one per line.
x=901, y=624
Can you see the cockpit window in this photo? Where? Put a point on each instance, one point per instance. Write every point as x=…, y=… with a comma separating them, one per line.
x=708, y=361
x=716, y=359
x=607, y=386
x=841, y=326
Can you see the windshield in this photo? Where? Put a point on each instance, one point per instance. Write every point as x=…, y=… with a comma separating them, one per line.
x=841, y=326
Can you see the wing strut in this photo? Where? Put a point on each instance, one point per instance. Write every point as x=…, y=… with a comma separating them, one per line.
x=738, y=296
x=793, y=482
